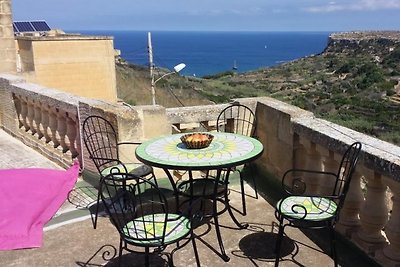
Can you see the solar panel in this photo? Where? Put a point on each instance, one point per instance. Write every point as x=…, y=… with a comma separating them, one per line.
x=24, y=26
x=40, y=26
x=30, y=26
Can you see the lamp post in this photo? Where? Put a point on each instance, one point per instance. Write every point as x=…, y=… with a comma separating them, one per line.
x=177, y=69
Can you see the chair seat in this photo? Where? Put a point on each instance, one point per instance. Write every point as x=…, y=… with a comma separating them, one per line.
x=137, y=169
x=148, y=230
x=317, y=208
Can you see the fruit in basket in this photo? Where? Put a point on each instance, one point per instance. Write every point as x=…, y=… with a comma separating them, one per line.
x=199, y=137
x=197, y=140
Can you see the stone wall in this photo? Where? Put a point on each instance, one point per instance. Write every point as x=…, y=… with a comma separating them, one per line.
x=80, y=65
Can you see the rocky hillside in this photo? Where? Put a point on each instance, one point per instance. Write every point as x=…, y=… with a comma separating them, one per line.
x=354, y=82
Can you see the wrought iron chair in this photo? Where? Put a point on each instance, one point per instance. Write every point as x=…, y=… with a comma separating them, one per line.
x=101, y=141
x=140, y=212
x=302, y=210
x=239, y=119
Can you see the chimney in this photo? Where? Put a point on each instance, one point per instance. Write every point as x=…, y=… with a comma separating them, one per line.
x=8, y=61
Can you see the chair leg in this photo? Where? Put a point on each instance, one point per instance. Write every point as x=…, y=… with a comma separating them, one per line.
x=243, y=191
x=146, y=257
x=120, y=253
x=196, y=254
x=254, y=181
x=97, y=210
x=243, y=194
x=170, y=261
x=279, y=242
x=333, y=245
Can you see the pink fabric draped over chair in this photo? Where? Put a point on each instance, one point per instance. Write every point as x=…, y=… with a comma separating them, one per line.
x=29, y=198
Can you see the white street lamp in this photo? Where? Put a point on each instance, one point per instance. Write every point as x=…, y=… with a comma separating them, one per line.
x=177, y=69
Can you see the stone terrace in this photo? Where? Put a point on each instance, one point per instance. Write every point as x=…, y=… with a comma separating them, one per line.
x=72, y=241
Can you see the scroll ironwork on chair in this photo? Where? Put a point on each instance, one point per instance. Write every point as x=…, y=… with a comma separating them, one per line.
x=101, y=141
x=239, y=119
x=139, y=210
x=311, y=211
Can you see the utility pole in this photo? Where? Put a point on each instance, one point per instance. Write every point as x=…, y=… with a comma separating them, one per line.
x=151, y=66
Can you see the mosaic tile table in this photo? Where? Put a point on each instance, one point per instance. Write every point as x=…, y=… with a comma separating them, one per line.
x=226, y=151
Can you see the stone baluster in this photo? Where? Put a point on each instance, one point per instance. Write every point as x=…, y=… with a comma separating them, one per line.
x=30, y=116
x=72, y=135
x=176, y=128
x=349, y=216
x=78, y=140
x=391, y=253
x=204, y=124
x=45, y=123
x=230, y=125
x=373, y=214
x=62, y=131
x=37, y=119
x=330, y=165
x=24, y=114
x=18, y=110
x=53, y=124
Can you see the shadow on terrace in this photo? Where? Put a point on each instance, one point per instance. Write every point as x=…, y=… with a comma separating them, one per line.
x=369, y=229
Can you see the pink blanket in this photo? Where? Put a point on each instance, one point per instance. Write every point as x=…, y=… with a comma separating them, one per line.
x=29, y=198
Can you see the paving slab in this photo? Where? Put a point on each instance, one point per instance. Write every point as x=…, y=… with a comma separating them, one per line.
x=15, y=154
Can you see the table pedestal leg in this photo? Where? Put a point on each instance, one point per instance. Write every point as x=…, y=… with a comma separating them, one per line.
x=175, y=190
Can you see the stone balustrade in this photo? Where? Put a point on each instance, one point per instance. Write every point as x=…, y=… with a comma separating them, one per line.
x=50, y=121
x=42, y=118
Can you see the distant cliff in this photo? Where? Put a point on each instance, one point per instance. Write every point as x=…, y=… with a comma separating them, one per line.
x=366, y=36
x=377, y=42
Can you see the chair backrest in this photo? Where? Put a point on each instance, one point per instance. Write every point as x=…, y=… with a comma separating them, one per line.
x=137, y=208
x=345, y=172
x=237, y=118
x=101, y=142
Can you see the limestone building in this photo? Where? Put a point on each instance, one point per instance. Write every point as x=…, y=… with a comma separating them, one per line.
x=81, y=65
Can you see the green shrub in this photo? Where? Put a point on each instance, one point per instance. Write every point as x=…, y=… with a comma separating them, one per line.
x=347, y=67
x=220, y=75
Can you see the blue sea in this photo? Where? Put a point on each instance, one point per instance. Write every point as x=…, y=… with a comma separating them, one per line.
x=206, y=53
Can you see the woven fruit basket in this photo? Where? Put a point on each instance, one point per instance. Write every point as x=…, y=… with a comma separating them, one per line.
x=197, y=140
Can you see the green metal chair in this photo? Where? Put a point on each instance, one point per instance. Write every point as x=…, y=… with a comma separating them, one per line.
x=311, y=211
x=101, y=141
x=139, y=210
x=239, y=119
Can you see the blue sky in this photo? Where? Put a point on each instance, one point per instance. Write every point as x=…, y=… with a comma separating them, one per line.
x=218, y=15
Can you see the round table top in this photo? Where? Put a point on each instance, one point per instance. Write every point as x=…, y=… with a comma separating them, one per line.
x=226, y=150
